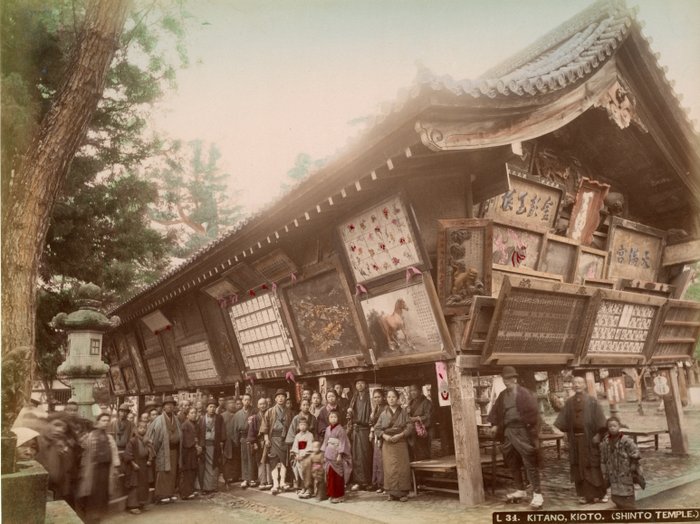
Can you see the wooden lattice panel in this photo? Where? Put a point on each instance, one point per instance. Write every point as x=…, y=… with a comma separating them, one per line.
x=245, y=277
x=679, y=331
x=276, y=266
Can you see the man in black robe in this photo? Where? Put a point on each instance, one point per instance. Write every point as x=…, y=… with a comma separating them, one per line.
x=583, y=420
x=358, y=414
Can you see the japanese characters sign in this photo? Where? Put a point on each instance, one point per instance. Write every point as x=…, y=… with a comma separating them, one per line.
x=528, y=202
x=634, y=250
x=380, y=241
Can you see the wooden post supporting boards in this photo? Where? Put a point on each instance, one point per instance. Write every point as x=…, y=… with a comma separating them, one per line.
x=674, y=416
x=469, y=196
x=466, y=437
x=590, y=384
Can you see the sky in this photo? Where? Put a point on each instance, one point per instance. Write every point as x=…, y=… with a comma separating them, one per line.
x=270, y=79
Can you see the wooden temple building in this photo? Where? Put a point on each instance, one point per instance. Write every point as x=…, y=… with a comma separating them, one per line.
x=542, y=216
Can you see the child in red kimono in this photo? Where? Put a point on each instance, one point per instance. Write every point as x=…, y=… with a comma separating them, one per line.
x=338, y=464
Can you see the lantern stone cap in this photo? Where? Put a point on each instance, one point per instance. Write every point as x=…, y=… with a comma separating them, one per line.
x=88, y=317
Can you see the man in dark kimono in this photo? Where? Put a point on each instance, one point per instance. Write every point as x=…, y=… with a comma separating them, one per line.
x=583, y=420
x=240, y=435
x=420, y=411
x=257, y=445
x=515, y=420
x=232, y=452
x=343, y=403
x=274, y=426
x=121, y=429
x=164, y=434
x=211, y=435
x=358, y=414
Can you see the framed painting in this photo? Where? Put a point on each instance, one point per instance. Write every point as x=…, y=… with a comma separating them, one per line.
x=405, y=324
x=137, y=361
x=464, y=262
x=590, y=264
x=558, y=256
x=635, y=250
x=381, y=241
x=585, y=215
x=117, y=378
x=130, y=380
x=516, y=247
x=324, y=322
x=530, y=202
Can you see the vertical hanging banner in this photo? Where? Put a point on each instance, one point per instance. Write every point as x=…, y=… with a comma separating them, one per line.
x=443, y=385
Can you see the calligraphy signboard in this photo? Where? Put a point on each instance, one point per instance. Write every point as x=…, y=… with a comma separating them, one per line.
x=529, y=202
x=262, y=337
x=622, y=328
x=198, y=363
x=585, y=215
x=323, y=320
x=464, y=262
x=678, y=332
x=405, y=324
x=537, y=321
x=635, y=250
x=381, y=241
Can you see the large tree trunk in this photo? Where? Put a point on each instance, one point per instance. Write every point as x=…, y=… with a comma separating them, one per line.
x=36, y=183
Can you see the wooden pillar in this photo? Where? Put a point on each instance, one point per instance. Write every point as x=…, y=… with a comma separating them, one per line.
x=590, y=384
x=469, y=196
x=466, y=436
x=674, y=415
x=682, y=386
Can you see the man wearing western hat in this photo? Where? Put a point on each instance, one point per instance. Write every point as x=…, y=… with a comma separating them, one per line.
x=164, y=434
x=515, y=420
x=358, y=415
x=274, y=426
x=121, y=429
x=211, y=433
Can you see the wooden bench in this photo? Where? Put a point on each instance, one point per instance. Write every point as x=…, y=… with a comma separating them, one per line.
x=649, y=433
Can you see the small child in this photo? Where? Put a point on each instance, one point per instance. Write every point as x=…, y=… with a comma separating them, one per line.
x=137, y=456
x=315, y=476
x=619, y=460
x=300, y=449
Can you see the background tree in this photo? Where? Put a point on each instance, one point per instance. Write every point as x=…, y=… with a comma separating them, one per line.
x=195, y=202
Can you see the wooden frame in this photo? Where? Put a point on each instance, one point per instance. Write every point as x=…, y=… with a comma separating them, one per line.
x=590, y=264
x=477, y=327
x=417, y=334
x=537, y=321
x=530, y=202
x=635, y=250
x=558, y=256
x=323, y=320
x=262, y=336
x=382, y=241
x=678, y=333
x=464, y=251
x=658, y=289
x=622, y=328
x=154, y=359
x=501, y=272
x=516, y=246
x=137, y=361
x=585, y=215
x=275, y=266
x=132, y=386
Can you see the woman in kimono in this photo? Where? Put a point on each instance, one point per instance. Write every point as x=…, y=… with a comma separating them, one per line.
x=420, y=411
x=338, y=458
x=394, y=429
x=316, y=402
x=378, y=407
x=191, y=449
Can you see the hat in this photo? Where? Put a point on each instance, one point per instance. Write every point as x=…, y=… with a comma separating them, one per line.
x=24, y=435
x=124, y=407
x=280, y=392
x=358, y=378
x=151, y=404
x=508, y=372
x=211, y=401
x=169, y=400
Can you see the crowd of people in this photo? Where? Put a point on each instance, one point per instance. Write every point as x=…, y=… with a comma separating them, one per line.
x=320, y=448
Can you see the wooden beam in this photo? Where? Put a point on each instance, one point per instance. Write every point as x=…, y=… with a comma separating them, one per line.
x=683, y=253
x=674, y=415
x=466, y=437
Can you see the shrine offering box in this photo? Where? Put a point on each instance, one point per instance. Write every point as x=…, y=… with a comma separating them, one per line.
x=464, y=262
x=324, y=323
x=382, y=241
x=404, y=322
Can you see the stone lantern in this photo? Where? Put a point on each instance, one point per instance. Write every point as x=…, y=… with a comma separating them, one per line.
x=85, y=329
